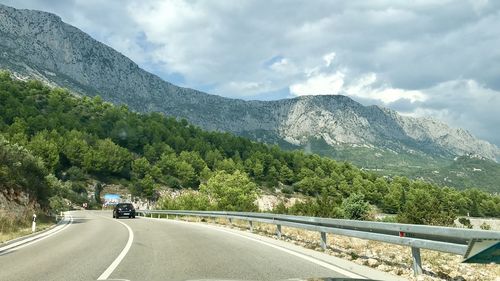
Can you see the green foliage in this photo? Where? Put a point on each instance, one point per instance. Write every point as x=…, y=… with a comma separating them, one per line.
x=47, y=148
x=356, y=208
x=186, y=201
x=462, y=172
x=485, y=226
x=231, y=192
x=19, y=169
x=57, y=204
x=107, y=158
x=427, y=204
x=465, y=222
x=49, y=131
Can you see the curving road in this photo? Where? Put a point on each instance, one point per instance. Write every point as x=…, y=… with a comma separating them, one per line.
x=96, y=247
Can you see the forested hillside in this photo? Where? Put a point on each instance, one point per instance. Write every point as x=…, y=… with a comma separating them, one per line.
x=82, y=138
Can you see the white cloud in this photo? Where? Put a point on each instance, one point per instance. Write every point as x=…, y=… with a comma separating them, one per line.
x=328, y=58
x=365, y=87
x=321, y=84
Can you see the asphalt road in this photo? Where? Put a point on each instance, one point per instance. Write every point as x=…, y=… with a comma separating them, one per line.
x=95, y=246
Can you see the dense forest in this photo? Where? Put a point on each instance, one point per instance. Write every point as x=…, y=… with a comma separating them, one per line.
x=52, y=142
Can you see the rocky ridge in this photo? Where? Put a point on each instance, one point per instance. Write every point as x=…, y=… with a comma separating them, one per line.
x=40, y=45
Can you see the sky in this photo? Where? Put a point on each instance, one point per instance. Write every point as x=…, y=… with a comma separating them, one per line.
x=421, y=58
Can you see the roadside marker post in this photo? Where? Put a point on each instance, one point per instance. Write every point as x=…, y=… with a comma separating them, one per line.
x=33, y=224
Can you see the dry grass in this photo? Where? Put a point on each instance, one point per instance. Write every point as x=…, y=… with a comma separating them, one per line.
x=12, y=227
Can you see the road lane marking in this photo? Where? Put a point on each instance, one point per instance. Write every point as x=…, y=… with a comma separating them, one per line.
x=116, y=262
x=37, y=238
x=291, y=252
x=299, y=255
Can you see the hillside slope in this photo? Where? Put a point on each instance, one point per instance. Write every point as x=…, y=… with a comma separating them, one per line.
x=73, y=142
x=39, y=45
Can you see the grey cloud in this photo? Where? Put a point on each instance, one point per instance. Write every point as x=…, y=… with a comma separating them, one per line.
x=461, y=104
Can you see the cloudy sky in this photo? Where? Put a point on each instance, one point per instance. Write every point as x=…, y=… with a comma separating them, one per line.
x=421, y=58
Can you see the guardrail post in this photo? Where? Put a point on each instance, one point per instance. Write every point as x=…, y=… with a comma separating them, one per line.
x=251, y=225
x=158, y=215
x=151, y=215
x=176, y=217
x=167, y=216
x=230, y=221
x=278, y=231
x=417, y=262
x=323, y=240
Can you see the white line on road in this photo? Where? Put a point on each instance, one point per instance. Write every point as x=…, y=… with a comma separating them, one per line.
x=34, y=239
x=299, y=255
x=116, y=262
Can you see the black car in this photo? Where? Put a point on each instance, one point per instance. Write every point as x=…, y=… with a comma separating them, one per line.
x=124, y=210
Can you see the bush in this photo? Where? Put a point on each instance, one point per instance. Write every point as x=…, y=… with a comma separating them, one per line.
x=465, y=222
x=426, y=204
x=485, y=226
x=57, y=204
x=287, y=190
x=75, y=174
x=356, y=208
x=190, y=200
x=231, y=192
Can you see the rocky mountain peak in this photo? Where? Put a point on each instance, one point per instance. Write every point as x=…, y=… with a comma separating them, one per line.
x=40, y=45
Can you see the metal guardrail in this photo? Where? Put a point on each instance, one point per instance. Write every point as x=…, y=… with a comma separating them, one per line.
x=442, y=239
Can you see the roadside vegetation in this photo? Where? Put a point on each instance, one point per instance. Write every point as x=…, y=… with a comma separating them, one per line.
x=52, y=143
x=12, y=227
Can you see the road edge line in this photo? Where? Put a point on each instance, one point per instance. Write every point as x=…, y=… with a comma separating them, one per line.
x=289, y=251
x=121, y=256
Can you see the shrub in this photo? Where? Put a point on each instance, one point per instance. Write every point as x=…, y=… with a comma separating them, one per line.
x=465, y=222
x=57, y=204
x=287, y=190
x=485, y=226
x=356, y=208
x=231, y=192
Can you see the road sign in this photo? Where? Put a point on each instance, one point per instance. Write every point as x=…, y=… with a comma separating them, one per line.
x=483, y=251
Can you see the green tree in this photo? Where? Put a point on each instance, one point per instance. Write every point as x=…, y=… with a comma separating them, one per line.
x=47, y=149
x=75, y=147
x=140, y=167
x=185, y=173
x=356, y=208
x=392, y=201
x=286, y=175
x=231, y=192
x=167, y=163
x=194, y=159
x=427, y=205
x=107, y=158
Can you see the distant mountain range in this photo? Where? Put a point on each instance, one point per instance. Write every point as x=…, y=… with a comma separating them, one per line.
x=35, y=44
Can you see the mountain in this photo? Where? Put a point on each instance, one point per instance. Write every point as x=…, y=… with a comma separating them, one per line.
x=35, y=44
